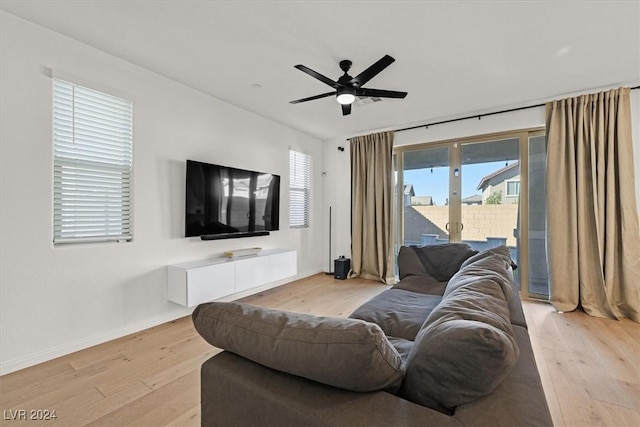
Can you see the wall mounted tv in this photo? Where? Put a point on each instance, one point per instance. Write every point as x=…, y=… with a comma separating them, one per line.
x=224, y=202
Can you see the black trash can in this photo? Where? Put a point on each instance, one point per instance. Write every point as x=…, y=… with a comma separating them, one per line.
x=341, y=267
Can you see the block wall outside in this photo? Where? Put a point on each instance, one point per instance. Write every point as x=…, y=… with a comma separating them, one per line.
x=480, y=221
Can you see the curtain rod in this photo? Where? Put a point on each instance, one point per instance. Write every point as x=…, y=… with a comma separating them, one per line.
x=479, y=116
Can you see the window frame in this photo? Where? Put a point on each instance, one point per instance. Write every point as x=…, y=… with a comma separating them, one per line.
x=92, y=141
x=506, y=189
x=299, y=189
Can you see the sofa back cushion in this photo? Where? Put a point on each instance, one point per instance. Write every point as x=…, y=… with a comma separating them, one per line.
x=346, y=353
x=497, y=264
x=498, y=250
x=437, y=261
x=464, y=350
x=493, y=266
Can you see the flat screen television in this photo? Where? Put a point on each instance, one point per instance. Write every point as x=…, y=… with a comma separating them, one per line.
x=224, y=202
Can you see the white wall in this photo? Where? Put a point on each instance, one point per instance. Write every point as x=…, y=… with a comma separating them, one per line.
x=57, y=300
x=337, y=164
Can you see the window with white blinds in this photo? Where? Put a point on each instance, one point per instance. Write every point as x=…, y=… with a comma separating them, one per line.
x=299, y=189
x=92, y=147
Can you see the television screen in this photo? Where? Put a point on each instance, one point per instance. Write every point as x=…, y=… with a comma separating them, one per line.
x=224, y=201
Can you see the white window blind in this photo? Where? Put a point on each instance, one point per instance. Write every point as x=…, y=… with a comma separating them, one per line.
x=299, y=188
x=92, y=145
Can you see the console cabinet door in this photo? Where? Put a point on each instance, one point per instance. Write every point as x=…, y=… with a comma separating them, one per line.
x=283, y=265
x=192, y=286
x=252, y=272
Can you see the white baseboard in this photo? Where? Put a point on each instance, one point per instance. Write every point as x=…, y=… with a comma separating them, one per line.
x=7, y=367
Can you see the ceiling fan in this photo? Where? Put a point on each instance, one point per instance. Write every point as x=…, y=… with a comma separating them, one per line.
x=347, y=87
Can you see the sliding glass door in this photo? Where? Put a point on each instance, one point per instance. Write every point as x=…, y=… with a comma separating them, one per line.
x=490, y=203
x=537, y=225
x=424, y=205
x=486, y=191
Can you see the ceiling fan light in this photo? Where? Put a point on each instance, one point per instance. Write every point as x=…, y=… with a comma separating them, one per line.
x=346, y=95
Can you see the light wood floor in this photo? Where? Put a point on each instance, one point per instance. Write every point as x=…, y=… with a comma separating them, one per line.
x=589, y=367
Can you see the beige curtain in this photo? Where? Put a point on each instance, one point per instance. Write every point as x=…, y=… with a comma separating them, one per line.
x=592, y=221
x=371, y=207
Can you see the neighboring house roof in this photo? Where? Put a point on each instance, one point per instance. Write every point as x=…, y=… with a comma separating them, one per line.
x=423, y=200
x=485, y=180
x=476, y=198
x=408, y=190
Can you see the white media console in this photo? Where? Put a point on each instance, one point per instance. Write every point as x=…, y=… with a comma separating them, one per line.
x=192, y=283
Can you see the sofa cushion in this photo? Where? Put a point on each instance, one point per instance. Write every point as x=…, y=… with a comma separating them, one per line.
x=496, y=267
x=464, y=350
x=498, y=264
x=438, y=261
x=346, y=353
x=498, y=250
x=398, y=312
x=518, y=401
x=403, y=347
x=421, y=285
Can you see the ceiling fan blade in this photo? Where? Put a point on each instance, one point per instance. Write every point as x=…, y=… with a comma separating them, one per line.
x=346, y=109
x=380, y=93
x=373, y=70
x=323, y=79
x=311, y=98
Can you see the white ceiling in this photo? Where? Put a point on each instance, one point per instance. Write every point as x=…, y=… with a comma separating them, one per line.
x=453, y=57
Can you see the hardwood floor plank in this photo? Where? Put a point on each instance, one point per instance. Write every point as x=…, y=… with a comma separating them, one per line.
x=631, y=328
x=578, y=408
x=618, y=365
x=59, y=385
x=141, y=370
x=85, y=414
x=156, y=336
x=588, y=366
x=547, y=382
x=166, y=376
x=187, y=387
x=85, y=358
x=191, y=418
x=63, y=406
x=600, y=385
x=541, y=320
x=173, y=405
x=625, y=341
x=614, y=415
x=118, y=370
x=17, y=380
x=65, y=400
x=591, y=364
x=321, y=295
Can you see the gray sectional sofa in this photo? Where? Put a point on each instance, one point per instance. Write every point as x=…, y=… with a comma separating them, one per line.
x=448, y=345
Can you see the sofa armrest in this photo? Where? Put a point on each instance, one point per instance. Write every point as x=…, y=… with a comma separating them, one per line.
x=236, y=391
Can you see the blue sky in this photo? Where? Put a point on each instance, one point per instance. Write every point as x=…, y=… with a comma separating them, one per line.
x=436, y=183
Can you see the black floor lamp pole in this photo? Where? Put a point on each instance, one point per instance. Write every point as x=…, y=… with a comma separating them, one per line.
x=329, y=272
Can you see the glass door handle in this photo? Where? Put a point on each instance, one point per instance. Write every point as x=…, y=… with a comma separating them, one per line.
x=460, y=228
